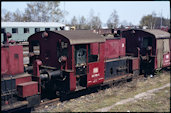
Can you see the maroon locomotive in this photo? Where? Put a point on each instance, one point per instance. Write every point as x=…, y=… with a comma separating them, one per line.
x=154, y=46
x=74, y=60
x=67, y=61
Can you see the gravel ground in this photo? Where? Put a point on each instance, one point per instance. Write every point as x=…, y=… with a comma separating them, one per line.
x=145, y=95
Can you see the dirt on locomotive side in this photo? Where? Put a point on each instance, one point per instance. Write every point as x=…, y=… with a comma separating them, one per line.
x=158, y=101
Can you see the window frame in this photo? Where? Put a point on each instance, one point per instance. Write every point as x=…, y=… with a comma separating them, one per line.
x=26, y=30
x=3, y=30
x=47, y=29
x=92, y=55
x=16, y=29
x=56, y=29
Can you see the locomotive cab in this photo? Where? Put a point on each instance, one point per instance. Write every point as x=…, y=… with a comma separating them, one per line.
x=83, y=55
x=71, y=60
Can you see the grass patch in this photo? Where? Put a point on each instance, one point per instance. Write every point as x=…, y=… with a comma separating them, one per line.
x=160, y=102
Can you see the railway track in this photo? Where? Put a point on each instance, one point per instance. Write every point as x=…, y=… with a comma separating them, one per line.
x=46, y=102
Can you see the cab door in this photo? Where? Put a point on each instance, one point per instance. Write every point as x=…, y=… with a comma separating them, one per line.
x=95, y=73
x=95, y=65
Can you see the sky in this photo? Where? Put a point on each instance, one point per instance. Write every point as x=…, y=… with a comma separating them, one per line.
x=130, y=11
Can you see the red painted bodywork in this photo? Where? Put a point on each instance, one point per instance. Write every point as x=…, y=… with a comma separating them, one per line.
x=135, y=64
x=27, y=89
x=23, y=79
x=36, y=65
x=4, y=60
x=155, y=64
x=95, y=74
x=72, y=77
x=115, y=48
x=170, y=43
x=122, y=47
x=94, y=48
x=72, y=82
x=36, y=73
x=112, y=48
x=102, y=52
x=166, y=60
x=12, y=60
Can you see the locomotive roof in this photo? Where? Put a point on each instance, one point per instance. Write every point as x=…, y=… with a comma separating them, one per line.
x=81, y=36
x=158, y=33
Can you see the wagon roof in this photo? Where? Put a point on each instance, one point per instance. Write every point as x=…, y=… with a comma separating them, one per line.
x=31, y=24
x=158, y=33
x=81, y=36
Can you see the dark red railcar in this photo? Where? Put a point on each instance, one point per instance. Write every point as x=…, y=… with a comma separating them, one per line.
x=153, y=45
x=15, y=92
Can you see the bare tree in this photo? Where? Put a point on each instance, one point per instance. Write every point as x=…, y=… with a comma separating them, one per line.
x=6, y=16
x=113, y=20
x=91, y=15
x=36, y=12
x=96, y=22
x=17, y=16
x=43, y=12
x=150, y=21
x=43, y=15
x=65, y=13
x=124, y=23
x=83, y=20
x=55, y=13
x=153, y=21
x=31, y=12
x=3, y=12
x=82, y=23
x=74, y=21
